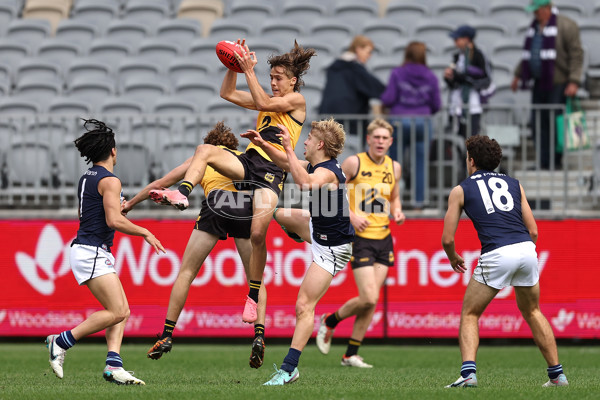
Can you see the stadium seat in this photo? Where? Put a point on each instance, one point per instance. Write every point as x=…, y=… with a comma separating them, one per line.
x=88, y=68
x=180, y=30
x=383, y=32
x=433, y=32
x=74, y=31
x=278, y=32
x=205, y=11
x=145, y=89
x=407, y=14
x=51, y=131
x=51, y=10
x=149, y=13
x=38, y=69
x=132, y=166
x=136, y=67
x=508, y=51
x=107, y=49
x=15, y=107
x=181, y=67
x=381, y=67
x=39, y=90
x=29, y=31
x=13, y=52
x=202, y=50
x=312, y=92
x=6, y=72
x=154, y=132
x=8, y=12
x=127, y=31
x=59, y=50
x=488, y=34
x=199, y=92
x=570, y=8
x=509, y=13
x=590, y=33
x=118, y=113
x=229, y=29
x=171, y=105
x=97, y=12
x=456, y=11
x=251, y=11
x=502, y=71
x=176, y=152
x=355, y=11
x=159, y=49
x=323, y=49
x=70, y=165
x=223, y=109
x=30, y=163
x=71, y=107
x=91, y=90
x=9, y=131
x=304, y=12
x=331, y=31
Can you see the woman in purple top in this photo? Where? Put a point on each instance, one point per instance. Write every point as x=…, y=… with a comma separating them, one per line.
x=413, y=93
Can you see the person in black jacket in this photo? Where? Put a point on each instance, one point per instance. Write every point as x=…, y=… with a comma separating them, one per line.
x=349, y=86
x=469, y=79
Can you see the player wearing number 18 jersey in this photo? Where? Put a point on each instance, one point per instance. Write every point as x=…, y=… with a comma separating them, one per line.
x=497, y=205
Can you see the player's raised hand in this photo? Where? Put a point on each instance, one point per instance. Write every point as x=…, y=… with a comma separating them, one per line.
x=254, y=137
x=247, y=59
x=286, y=140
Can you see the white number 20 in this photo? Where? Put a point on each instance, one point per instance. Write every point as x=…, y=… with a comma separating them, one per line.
x=501, y=198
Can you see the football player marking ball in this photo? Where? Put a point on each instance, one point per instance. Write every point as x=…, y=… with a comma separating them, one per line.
x=225, y=52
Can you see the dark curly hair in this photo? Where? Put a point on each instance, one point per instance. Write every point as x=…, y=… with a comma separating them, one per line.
x=96, y=144
x=221, y=135
x=485, y=152
x=296, y=63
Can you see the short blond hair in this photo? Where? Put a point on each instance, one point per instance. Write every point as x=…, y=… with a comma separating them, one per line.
x=379, y=123
x=360, y=41
x=332, y=134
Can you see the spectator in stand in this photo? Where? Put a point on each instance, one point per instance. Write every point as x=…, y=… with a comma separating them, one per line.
x=469, y=78
x=350, y=87
x=551, y=66
x=413, y=93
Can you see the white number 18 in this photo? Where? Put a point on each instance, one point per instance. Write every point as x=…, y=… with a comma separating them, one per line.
x=500, y=191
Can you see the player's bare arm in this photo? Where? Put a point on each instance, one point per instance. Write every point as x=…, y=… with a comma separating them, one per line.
x=350, y=167
x=231, y=94
x=110, y=190
x=528, y=218
x=455, y=207
x=171, y=178
x=276, y=155
x=395, y=202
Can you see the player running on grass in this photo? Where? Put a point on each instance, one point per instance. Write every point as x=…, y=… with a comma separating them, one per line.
x=374, y=195
x=329, y=229
x=286, y=107
x=497, y=205
x=225, y=212
x=99, y=193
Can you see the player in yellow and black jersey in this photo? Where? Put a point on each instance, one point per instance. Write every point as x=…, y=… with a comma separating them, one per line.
x=225, y=212
x=374, y=196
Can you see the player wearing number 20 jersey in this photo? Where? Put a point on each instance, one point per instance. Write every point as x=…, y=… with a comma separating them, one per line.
x=493, y=202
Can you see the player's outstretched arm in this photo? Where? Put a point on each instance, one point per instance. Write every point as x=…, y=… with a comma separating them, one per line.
x=110, y=190
x=455, y=207
x=171, y=178
x=528, y=218
x=276, y=155
x=395, y=202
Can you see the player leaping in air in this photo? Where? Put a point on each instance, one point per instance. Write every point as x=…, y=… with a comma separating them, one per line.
x=286, y=107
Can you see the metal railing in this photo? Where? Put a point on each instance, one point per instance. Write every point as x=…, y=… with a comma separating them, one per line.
x=40, y=166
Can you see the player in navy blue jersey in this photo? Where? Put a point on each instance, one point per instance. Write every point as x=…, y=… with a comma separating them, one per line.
x=329, y=230
x=92, y=263
x=497, y=205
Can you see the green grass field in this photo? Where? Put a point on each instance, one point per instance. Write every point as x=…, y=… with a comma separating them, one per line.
x=222, y=372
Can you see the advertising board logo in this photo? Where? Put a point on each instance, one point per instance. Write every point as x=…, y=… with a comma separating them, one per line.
x=40, y=270
x=563, y=319
x=2, y=316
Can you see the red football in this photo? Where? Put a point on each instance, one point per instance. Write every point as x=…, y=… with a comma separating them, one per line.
x=225, y=50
